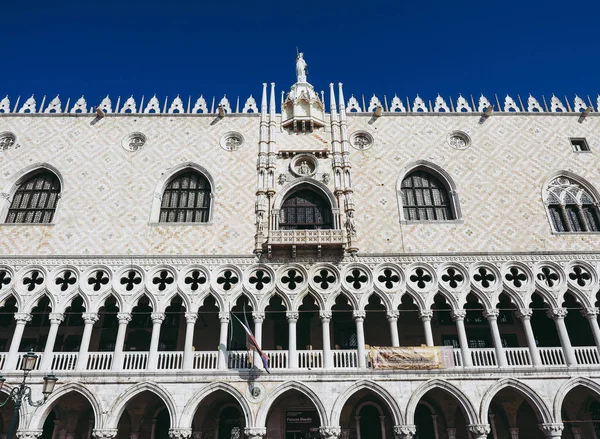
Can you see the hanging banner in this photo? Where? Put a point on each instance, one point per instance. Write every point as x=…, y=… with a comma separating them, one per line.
x=411, y=358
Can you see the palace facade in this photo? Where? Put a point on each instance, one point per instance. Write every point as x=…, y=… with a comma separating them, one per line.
x=134, y=233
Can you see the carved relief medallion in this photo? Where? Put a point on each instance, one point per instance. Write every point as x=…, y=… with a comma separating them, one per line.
x=458, y=140
x=133, y=142
x=231, y=141
x=361, y=140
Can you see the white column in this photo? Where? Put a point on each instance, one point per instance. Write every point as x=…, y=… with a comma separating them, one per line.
x=188, y=345
x=157, y=319
x=426, y=318
x=525, y=315
x=292, y=318
x=259, y=318
x=55, y=319
x=124, y=319
x=558, y=315
x=514, y=433
x=224, y=319
x=591, y=314
x=492, y=316
x=392, y=317
x=89, y=318
x=325, y=319
x=459, y=318
x=359, y=318
x=552, y=430
x=21, y=320
x=479, y=431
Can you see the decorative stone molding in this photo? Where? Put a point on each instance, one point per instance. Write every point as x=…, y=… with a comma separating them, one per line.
x=458, y=140
x=231, y=141
x=552, y=429
x=491, y=314
x=325, y=316
x=359, y=315
x=105, y=434
x=180, y=433
x=405, y=431
x=361, y=140
x=426, y=315
x=524, y=313
x=392, y=316
x=458, y=314
x=56, y=318
x=29, y=434
x=590, y=312
x=157, y=317
x=191, y=317
x=22, y=317
x=557, y=313
x=224, y=317
x=258, y=317
x=255, y=432
x=330, y=432
x=133, y=142
x=292, y=317
x=124, y=317
x=89, y=317
x=479, y=430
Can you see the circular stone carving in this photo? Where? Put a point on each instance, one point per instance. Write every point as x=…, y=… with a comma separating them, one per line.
x=361, y=140
x=231, y=141
x=7, y=140
x=304, y=165
x=458, y=140
x=133, y=142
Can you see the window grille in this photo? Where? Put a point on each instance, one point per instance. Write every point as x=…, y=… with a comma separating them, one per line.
x=571, y=207
x=425, y=198
x=304, y=210
x=186, y=199
x=35, y=200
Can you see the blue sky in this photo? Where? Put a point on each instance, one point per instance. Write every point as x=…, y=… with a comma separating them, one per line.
x=216, y=47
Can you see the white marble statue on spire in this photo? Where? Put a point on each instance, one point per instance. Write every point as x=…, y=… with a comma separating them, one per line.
x=301, y=68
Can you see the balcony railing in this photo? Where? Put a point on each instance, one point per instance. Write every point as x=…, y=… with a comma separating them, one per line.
x=342, y=359
x=306, y=237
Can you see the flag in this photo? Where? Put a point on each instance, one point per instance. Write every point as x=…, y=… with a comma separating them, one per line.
x=252, y=344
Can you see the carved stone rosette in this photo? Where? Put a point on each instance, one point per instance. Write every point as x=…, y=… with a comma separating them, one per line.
x=255, y=432
x=180, y=433
x=105, y=434
x=404, y=431
x=330, y=432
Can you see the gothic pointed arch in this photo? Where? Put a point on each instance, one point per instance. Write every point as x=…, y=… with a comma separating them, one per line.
x=33, y=196
x=426, y=192
x=306, y=204
x=571, y=204
x=261, y=416
x=378, y=390
x=532, y=397
x=183, y=195
x=569, y=385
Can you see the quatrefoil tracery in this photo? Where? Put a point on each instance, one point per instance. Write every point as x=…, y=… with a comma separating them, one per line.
x=580, y=276
x=292, y=279
x=260, y=279
x=357, y=278
x=516, y=276
x=484, y=276
x=67, y=279
x=228, y=279
x=164, y=279
x=195, y=279
x=389, y=278
x=421, y=278
x=453, y=277
x=98, y=279
x=549, y=276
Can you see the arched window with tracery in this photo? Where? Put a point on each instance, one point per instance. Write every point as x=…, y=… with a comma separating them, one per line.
x=571, y=207
x=186, y=199
x=305, y=209
x=35, y=199
x=425, y=198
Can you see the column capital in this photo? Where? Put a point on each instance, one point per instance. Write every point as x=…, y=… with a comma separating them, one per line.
x=405, y=431
x=56, y=318
x=224, y=317
x=426, y=315
x=359, y=316
x=191, y=317
x=258, y=317
x=332, y=432
x=124, y=317
x=459, y=315
x=479, y=430
x=392, y=315
x=255, y=432
x=557, y=313
x=491, y=313
x=104, y=433
x=552, y=429
x=292, y=316
x=22, y=317
x=28, y=434
x=157, y=317
x=524, y=313
x=89, y=317
x=325, y=315
x=180, y=433
x=590, y=313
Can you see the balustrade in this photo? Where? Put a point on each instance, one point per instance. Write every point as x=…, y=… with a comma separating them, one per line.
x=170, y=360
x=135, y=360
x=586, y=355
x=99, y=361
x=458, y=362
x=238, y=360
x=518, y=356
x=64, y=361
x=3, y=357
x=310, y=359
x=345, y=359
x=277, y=359
x=484, y=357
x=207, y=360
x=552, y=356
x=37, y=362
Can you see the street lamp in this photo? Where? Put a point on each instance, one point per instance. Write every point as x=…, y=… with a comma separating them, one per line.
x=23, y=392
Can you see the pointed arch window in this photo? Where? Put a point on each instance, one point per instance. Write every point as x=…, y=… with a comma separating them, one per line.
x=305, y=210
x=571, y=207
x=186, y=199
x=35, y=200
x=425, y=198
